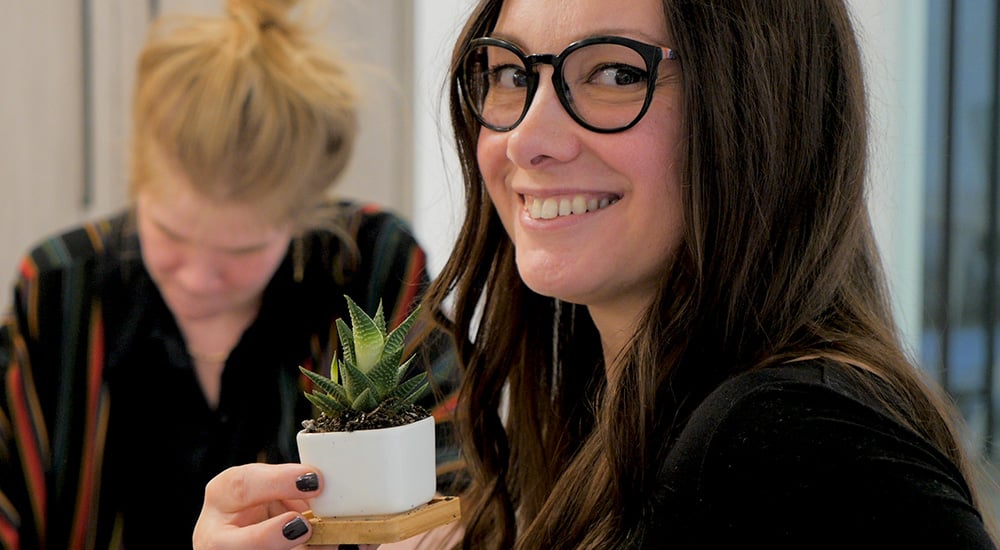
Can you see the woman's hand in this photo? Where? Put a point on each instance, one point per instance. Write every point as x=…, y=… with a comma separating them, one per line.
x=257, y=506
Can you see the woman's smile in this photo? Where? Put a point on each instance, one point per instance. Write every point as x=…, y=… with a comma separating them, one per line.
x=547, y=208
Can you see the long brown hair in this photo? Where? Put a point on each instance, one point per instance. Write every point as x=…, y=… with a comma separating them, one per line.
x=778, y=261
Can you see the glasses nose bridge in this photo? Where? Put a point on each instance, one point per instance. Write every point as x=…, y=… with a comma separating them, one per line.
x=531, y=62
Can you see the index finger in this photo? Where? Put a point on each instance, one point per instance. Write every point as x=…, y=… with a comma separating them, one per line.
x=240, y=487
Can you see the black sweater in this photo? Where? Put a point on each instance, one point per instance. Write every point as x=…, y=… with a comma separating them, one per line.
x=799, y=456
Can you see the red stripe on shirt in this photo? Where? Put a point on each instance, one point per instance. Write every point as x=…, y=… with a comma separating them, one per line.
x=8, y=535
x=28, y=268
x=445, y=410
x=19, y=390
x=93, y=448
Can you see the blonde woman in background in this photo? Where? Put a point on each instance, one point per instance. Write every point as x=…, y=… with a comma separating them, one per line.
x=149, y=351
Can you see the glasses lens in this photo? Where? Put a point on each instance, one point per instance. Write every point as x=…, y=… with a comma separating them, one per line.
x=606, y=84
x=496, y=82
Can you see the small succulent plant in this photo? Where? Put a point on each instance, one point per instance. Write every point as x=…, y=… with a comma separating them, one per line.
x=370, y=377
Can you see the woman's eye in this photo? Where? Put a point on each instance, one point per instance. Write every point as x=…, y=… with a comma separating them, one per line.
x=509, y=77
x=618, y=75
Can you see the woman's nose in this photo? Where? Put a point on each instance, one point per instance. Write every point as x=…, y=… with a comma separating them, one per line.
x=547, y=132
x=200, y=272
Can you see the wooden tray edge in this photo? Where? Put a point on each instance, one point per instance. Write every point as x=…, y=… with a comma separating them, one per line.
x=387, y=528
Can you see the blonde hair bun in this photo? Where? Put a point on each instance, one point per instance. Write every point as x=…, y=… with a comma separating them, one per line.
x=249, y=106
x=261, y=14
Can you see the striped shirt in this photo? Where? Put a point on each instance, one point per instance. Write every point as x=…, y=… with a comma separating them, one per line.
x=106, y=440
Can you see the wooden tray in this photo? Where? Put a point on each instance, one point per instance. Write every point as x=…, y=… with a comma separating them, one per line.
x=384, y=529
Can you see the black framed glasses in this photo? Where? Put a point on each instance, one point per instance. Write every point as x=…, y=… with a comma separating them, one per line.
x=605, y=83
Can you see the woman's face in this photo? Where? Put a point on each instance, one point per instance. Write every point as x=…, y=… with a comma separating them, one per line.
x=611, y=259
x=208, y=258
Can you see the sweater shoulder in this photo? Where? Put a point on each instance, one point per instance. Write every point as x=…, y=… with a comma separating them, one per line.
x=74, y=246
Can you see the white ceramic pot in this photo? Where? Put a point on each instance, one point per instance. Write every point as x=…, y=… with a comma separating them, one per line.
x=372, y=472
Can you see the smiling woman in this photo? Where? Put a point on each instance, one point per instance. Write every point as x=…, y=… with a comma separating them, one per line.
x=578, y=256
x=709, y=360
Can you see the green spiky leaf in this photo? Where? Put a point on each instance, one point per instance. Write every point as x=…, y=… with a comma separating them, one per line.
x=326, y=404
x=379, y=318
x=385, y=375
x=402, y=370
x=327, y=388
x=327, y=385
x=396, y=341
x=413, y=397
x=357, y=382
x=365, y=402
x=368, y=339
x=411, y=391
x=346, y=337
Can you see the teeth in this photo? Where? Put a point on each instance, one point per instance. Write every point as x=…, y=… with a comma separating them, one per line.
x=551, y=207
x=534, y=207
x=565, y=207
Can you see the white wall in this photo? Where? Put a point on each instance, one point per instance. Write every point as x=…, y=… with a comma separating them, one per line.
x=438, y=195
x=48, y=182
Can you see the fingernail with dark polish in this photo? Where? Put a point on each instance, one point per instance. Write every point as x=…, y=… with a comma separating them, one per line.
x=348, y=547
x=307, y=482
x=295, y=529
